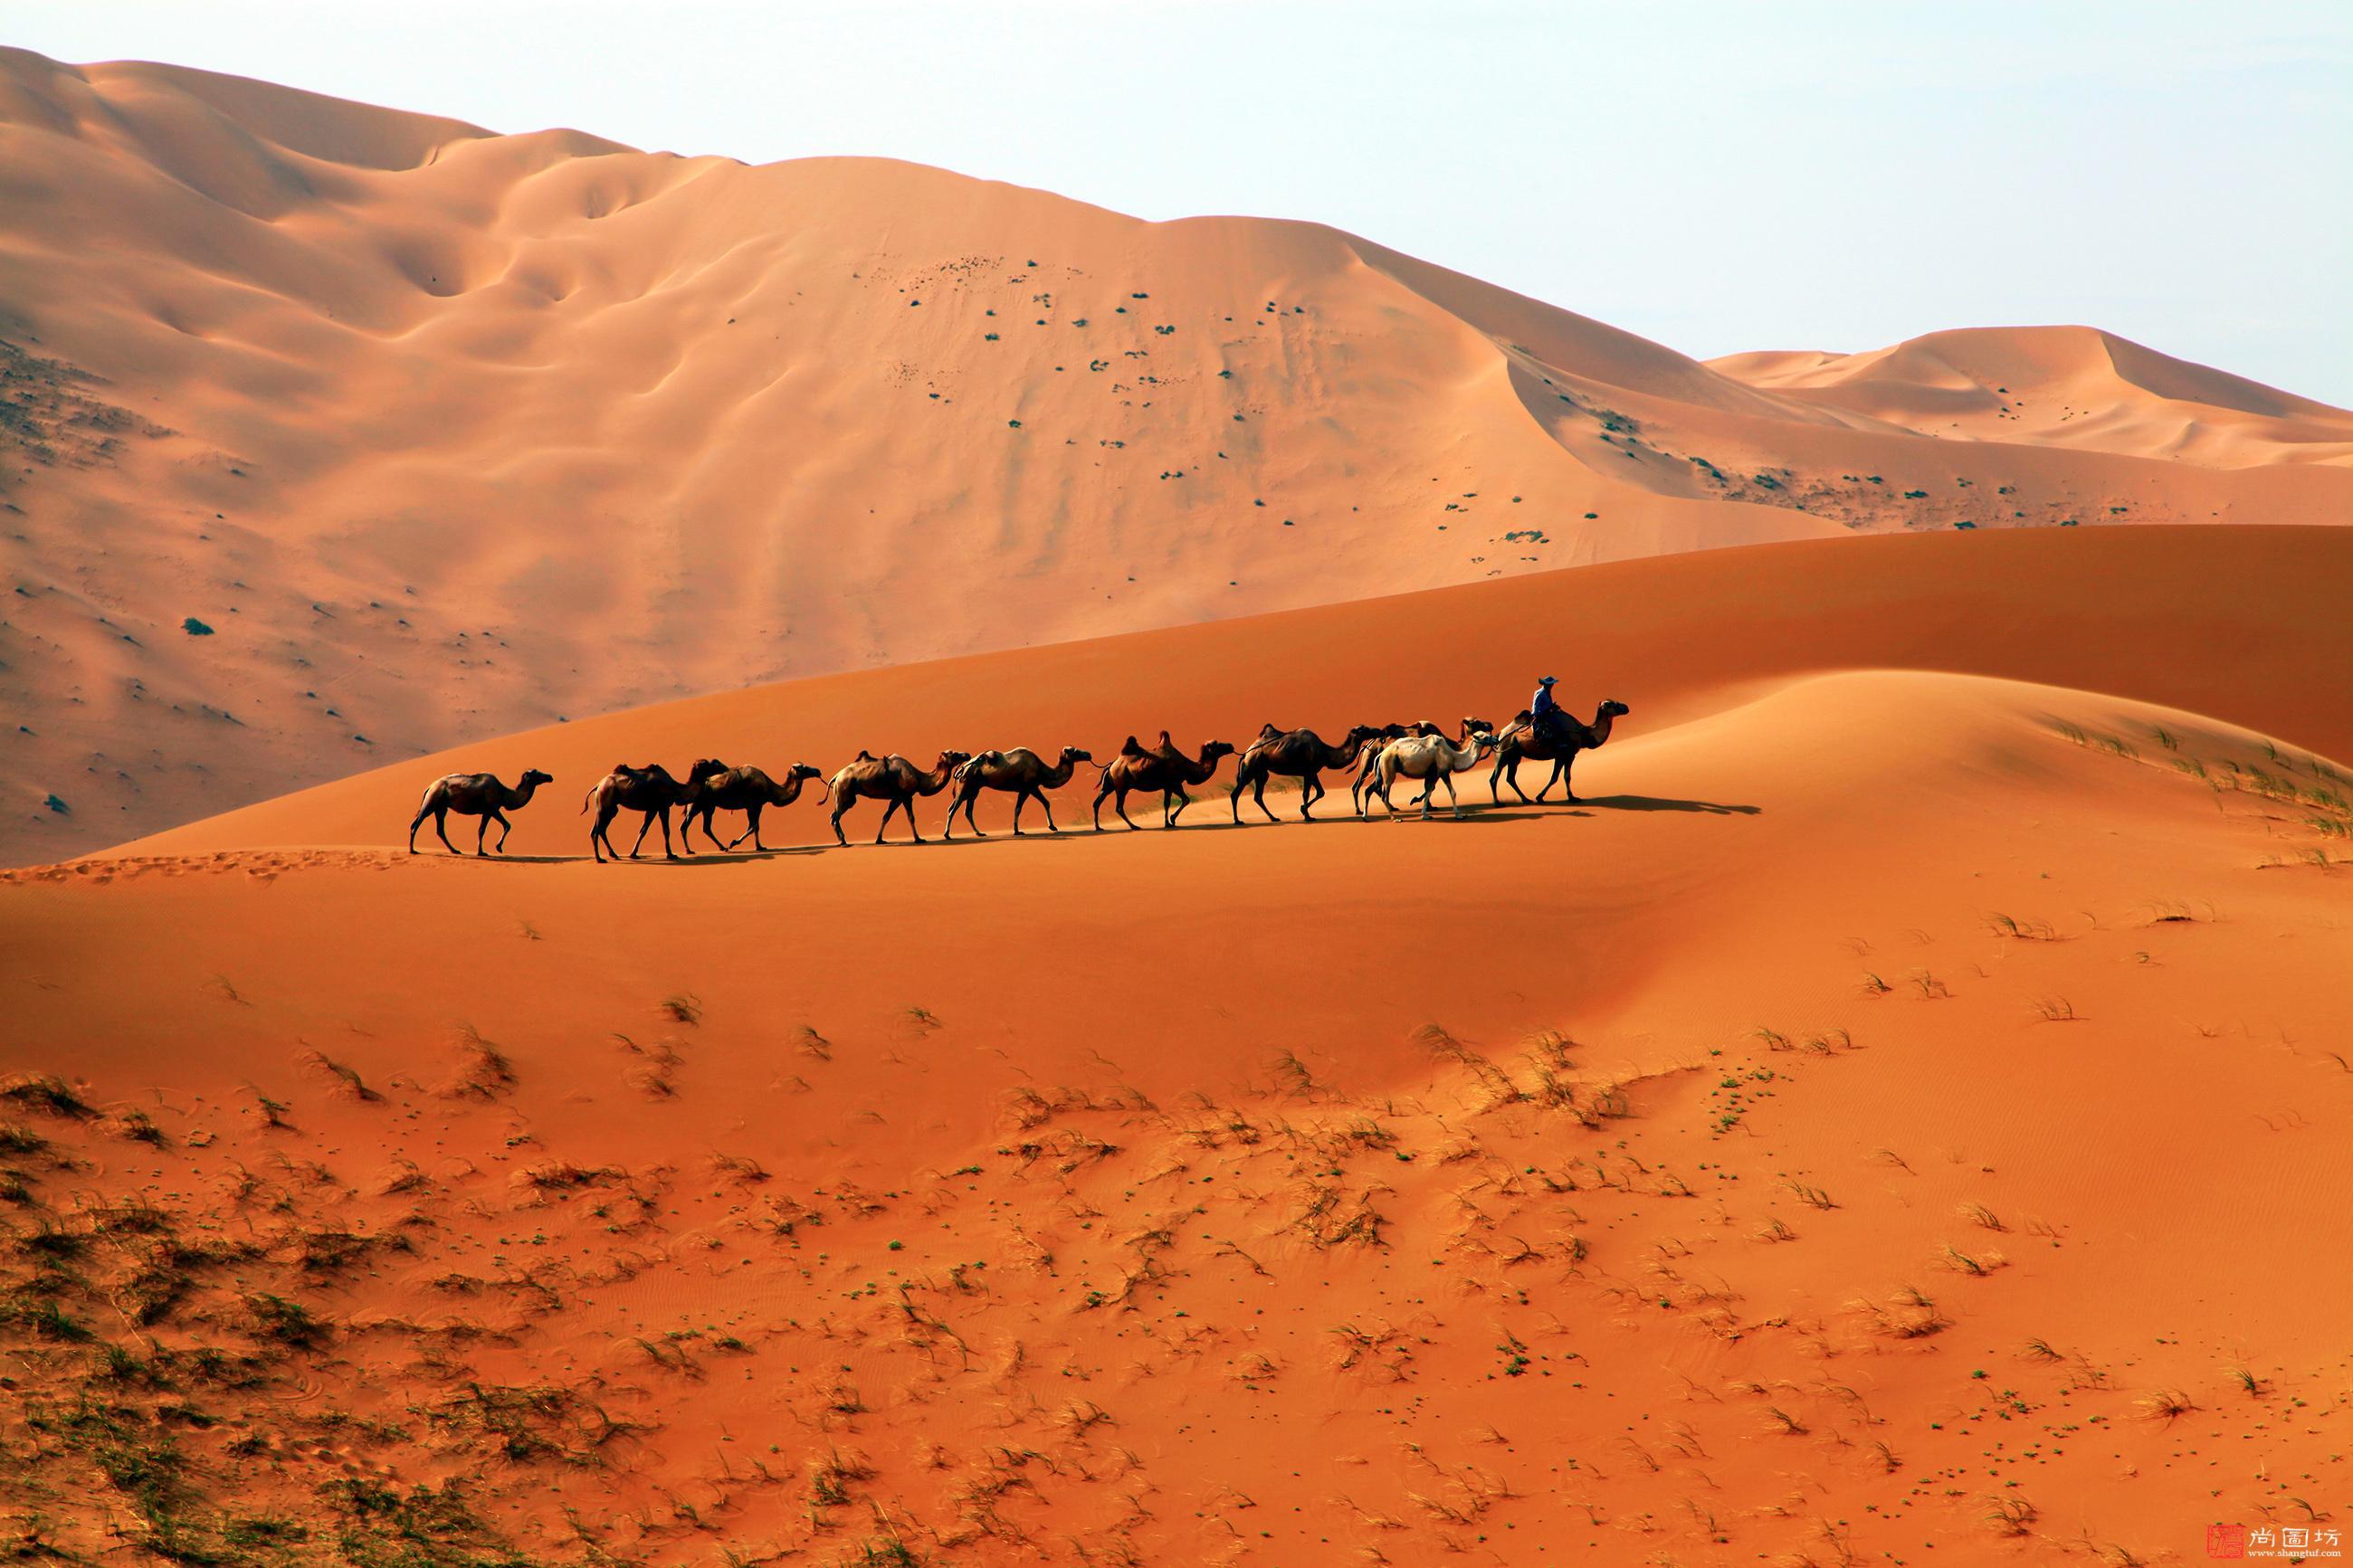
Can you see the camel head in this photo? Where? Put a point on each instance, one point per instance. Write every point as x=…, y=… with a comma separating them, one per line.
x=1613, y=709
x=1077, y=754
x=1470, y=723
x=1216, y=749
x=804, y=770
x=1361, y=732
x=951, y=760
x=534, y=777
x=703, y=768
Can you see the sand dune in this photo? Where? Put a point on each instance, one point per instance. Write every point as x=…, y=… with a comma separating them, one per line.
x=2062, y=386
x=2122, y=611
x=340, y=435
x=1749, y=1162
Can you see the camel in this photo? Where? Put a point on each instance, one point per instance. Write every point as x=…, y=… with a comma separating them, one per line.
x=749, y=791
x=1021, y=771
x=1373, y=756
x=1163, y=768
x=650, y=790
x=1431, y=759
x=1520, y=742
x=1301, y=754
x=894, y=780
x=475, y=795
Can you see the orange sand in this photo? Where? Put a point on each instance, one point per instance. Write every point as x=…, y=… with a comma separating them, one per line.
x=1844, y=1138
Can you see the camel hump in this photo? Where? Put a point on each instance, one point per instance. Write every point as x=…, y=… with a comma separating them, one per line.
x=1129, y=748
x=864, y=755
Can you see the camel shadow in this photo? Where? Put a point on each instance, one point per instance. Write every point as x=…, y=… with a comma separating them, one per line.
x=999, y=836
x=1660, y=803
x=504, y=860
x=1482, y=814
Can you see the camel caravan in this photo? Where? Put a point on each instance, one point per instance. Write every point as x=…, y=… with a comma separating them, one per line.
x=1382, y=755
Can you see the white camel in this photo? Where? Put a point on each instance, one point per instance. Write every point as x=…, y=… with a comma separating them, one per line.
x=1432, y=758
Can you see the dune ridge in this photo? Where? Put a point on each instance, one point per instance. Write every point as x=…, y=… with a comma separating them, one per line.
x=339, y=435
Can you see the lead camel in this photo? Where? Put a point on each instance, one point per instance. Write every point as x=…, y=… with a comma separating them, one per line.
x=1521, y=743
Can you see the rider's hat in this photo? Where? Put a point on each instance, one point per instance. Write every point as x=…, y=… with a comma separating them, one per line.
x=1549, y=680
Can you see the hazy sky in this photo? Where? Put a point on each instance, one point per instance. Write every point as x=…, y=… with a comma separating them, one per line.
x=1717, y=176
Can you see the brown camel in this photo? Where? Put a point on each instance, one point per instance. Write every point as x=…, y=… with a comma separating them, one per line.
x=1301, y=754
x=1424, y=728
x=1163, y=768
x=475, y=795
x=1521, y=743
x=1021, y=771
x=650, y=790
x=747, y=790
x=894, y=780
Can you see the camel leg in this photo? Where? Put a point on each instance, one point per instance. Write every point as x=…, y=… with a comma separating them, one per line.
x=1043, y=804
x=598, y=839
x=1120, y=805
x=752, y=815
x=505, y=827
x=840, y=805
x=667, y=853
x=645, y=826
x=913, y=832
x=1313, y=783
x=1176, y=803
x=1234, y=795
x=1549, y=783
x=422, y=812
x=442, y=827
x=889, y=808
x=1511, y=772
x=1098, y=810
x=686, y=826
x=482, y=831
x=1452, y=798
x=1258, y=794
x=1568, y=789
x=1020, y=799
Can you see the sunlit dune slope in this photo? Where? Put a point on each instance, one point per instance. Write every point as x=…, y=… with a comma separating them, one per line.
x=335, y=435
x=1752, y=1161
x=2241, y=623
